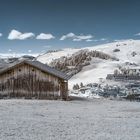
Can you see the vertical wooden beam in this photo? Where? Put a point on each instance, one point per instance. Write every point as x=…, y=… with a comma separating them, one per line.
x=64, y=89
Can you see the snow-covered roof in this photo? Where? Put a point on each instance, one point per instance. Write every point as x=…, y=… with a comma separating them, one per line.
x=38, y=65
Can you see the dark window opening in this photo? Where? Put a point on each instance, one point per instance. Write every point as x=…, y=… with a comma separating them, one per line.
x=9, y=71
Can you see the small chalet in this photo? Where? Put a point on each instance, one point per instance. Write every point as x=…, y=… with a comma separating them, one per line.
x=32, y=79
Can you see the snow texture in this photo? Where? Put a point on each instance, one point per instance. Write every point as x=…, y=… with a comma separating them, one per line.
x=97, y=119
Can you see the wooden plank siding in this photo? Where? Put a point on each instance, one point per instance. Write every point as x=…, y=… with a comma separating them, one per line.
x=27, y=81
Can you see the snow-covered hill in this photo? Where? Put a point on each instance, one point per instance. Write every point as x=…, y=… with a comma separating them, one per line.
x=127, y=51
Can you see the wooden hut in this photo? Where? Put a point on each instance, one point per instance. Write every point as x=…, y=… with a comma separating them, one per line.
x=32, y=79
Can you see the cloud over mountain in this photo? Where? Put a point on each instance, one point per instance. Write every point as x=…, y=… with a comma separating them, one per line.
x=75, y=37
x=138, y=34
x=0, y=34
x=14, y=34
x=44, y=36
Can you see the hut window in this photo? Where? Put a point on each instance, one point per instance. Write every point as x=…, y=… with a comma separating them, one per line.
x=8, y=71
x=19, y=70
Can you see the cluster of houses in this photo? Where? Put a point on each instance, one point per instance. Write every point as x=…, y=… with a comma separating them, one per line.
x=129, y=91
x=125, y=74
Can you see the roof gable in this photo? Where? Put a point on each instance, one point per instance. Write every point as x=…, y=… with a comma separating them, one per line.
x=38, y=65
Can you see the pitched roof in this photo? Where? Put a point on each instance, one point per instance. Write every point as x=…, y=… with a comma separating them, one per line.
x=38, y=65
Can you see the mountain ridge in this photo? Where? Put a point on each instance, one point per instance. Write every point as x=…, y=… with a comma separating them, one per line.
x=126, y=51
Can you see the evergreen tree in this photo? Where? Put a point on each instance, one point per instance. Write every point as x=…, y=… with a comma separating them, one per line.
x=81, y=84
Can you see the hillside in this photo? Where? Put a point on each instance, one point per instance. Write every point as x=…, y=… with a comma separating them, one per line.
x=89, y=64
x=127, y=53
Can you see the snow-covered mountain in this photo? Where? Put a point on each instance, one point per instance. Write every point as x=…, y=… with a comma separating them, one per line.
x=127, y=51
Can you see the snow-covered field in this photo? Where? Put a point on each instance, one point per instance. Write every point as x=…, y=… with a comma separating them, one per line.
x=96, y=119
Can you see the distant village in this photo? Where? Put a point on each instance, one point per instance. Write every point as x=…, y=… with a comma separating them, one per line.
x=125, y=74
x=126, y=85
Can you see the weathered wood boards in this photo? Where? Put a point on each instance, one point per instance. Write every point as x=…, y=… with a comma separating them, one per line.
x=28, y=80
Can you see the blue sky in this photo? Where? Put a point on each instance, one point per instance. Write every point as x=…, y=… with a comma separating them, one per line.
x=39, y=25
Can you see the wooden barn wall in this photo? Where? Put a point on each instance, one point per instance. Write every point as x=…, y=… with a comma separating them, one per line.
x=27, y=81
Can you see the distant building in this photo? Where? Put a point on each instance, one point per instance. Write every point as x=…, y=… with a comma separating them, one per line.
x=125, y=74
x=32, y=79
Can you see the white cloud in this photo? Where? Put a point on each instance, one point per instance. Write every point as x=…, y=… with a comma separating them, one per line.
x=138, y=34
x=14, y=34
x=69, y=35
x=9, y=50
x=29, y=51
x=84, y=37
x=89, y=40
x=76, y=37
x=103, y=39
x=45, y=36
x=0, y=34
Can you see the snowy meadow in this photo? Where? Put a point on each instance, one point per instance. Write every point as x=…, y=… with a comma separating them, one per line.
x=78, y=119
